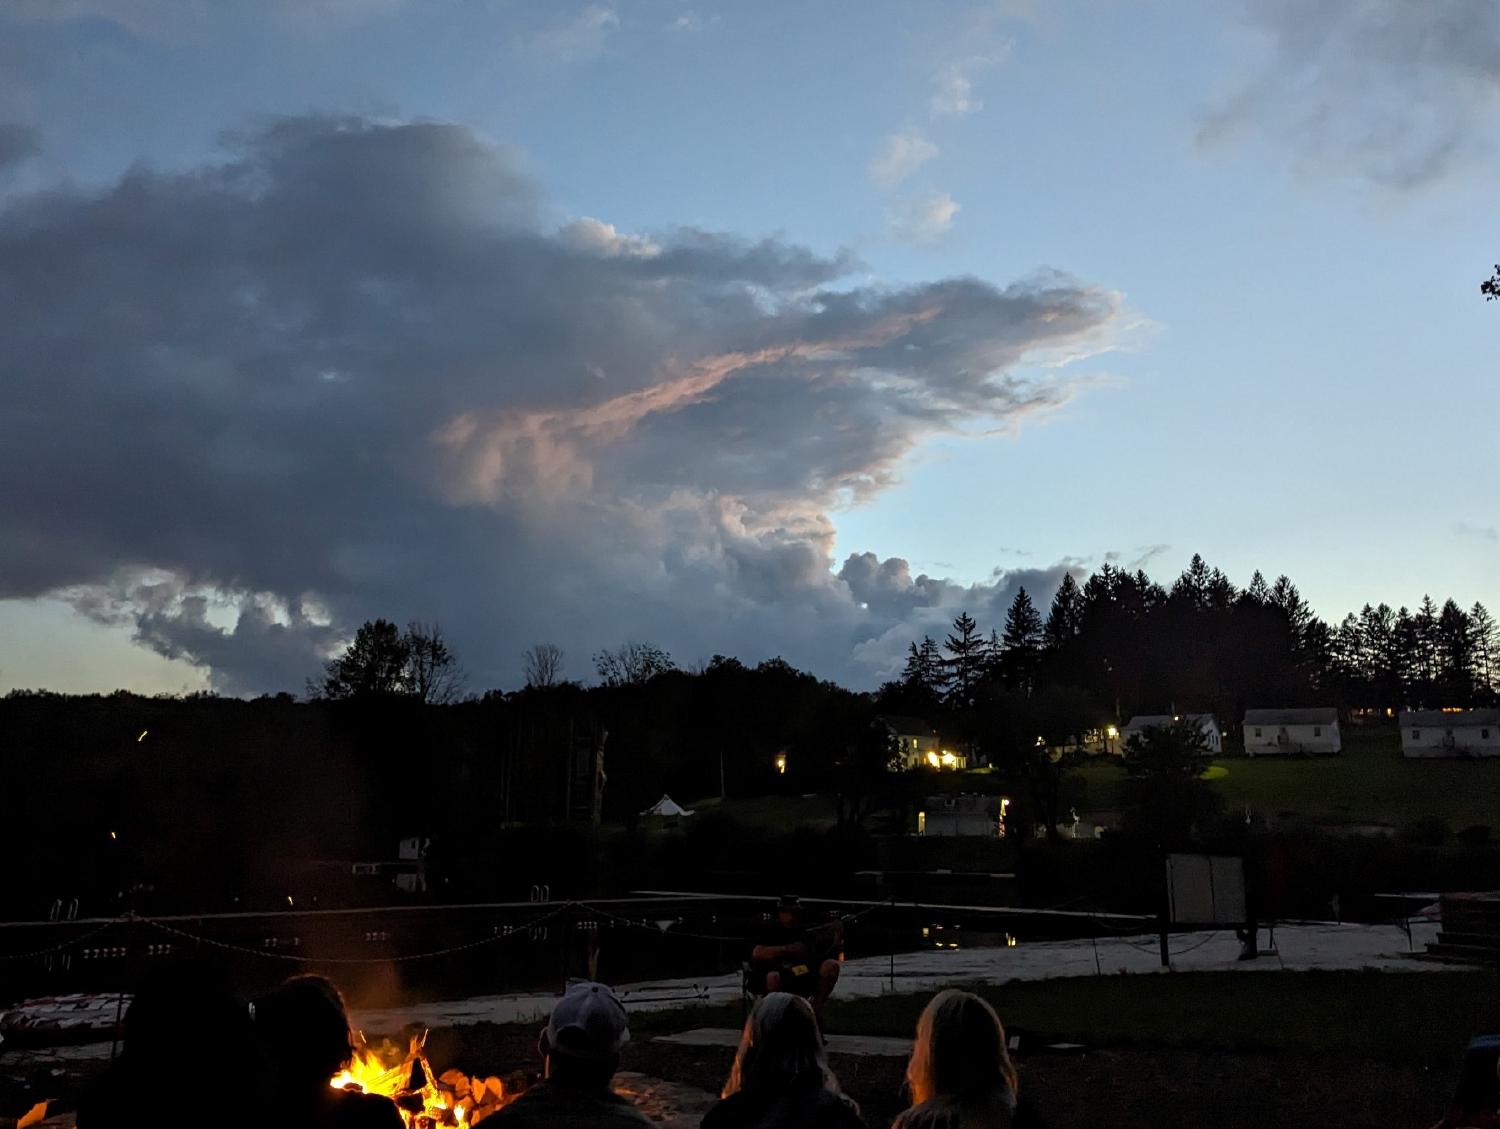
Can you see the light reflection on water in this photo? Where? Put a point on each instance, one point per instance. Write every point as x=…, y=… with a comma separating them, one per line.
x=940, y=936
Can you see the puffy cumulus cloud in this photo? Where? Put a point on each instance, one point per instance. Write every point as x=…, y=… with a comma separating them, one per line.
x=902, y=154
x=1396, y=92
x=352, y=370
x=922, y=219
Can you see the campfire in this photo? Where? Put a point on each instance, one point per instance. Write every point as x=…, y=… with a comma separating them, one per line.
x=426, y=1101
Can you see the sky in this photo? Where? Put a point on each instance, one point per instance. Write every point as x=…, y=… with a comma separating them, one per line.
x=747, y=328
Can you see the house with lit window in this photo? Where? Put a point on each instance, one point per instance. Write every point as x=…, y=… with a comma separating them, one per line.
x=965, y=814
x=1138, y=725
x=915, y=744
x=1311, y=732
x=1450, y=733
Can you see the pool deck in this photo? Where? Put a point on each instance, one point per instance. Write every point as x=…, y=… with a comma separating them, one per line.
x=1301, y=947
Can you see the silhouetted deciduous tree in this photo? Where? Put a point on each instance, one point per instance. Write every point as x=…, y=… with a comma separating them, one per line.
x=632, y=664
x=374, y=664
x=1165, y=769
x=542, y=665
x=433, y=672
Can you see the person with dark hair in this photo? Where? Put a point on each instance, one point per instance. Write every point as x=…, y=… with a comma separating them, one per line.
x=580, y=1049
x=303, y=1027
x=780, y=1078
x=180, y=1030
x=960, y=1074
x=790, y=957
x=1476, y=1101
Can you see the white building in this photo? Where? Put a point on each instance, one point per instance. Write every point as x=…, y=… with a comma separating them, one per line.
x=915, y=744
x=963, y=815
x=1137, y=726
x=1450, y=733
x=1283, y=732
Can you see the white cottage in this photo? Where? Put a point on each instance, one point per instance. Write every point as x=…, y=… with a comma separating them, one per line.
x=1450, y=733
x=1283, y=732
x=1138, y=725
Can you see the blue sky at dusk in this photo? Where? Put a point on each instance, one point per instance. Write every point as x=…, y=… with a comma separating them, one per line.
x=762, y=328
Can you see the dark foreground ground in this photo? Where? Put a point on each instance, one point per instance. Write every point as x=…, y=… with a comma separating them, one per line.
x=1362, y=1049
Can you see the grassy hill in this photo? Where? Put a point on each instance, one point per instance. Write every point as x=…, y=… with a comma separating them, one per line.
x=1369, y=784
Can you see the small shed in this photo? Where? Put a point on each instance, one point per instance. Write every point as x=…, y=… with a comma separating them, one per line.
x=667, y=807
x=1450, y=733
x=1284, y=732
x=1137, y=726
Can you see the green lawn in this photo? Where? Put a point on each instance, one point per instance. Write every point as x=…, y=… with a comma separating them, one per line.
x=1369, y=783
x=1407, y=1017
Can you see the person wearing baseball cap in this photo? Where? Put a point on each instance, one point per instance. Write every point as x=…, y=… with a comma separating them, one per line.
x=581, y=1050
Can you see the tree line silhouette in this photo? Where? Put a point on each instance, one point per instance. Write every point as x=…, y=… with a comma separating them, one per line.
x=1202, y=643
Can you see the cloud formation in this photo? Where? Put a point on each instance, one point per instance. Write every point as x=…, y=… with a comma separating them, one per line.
x=922, y=219
x=902, y=154
x=1395, y=92
x=355, y=369
x=581, y=38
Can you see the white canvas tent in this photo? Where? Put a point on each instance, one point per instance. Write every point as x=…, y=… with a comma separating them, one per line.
x=668, y=807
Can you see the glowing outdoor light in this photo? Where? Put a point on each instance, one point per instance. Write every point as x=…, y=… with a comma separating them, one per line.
x=142, y=737
x=932, y=759
x=781, y=763
x=949, y=760
x=1111, y=732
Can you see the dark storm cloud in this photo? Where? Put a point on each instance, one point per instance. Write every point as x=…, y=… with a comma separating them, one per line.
x=1390, y=90
x=354, y=370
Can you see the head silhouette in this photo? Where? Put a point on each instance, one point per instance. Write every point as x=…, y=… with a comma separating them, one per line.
x=183, y=1024
x=780, y=1049
x=304, y=1028
x=960, y=1051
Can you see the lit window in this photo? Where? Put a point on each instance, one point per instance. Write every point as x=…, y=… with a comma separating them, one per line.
x=922, y=830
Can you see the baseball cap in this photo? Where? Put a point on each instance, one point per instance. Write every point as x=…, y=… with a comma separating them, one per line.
x=588, y=1022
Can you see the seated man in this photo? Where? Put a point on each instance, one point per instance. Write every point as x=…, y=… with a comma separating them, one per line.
x=581, y=1051
x=789, y=957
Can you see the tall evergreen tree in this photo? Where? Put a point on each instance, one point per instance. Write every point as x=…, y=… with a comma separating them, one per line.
x=1065, y=616
x=1486, y=651
x=1425, y=626
x=1455, y=655
x=1022, y=640
x=965, y=647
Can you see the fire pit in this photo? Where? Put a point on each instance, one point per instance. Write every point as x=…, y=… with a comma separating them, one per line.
x=426, y=1100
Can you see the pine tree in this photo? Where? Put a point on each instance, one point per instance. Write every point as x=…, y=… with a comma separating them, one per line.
x=966, y=662
x=1486, y=651
x=1286, y=599
x=1065, y=617
x=1425, y=624
x=1455, y=655
x=1022, y=640
x=1259, y=591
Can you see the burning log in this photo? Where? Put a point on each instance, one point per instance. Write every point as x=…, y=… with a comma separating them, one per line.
x=426, y=1100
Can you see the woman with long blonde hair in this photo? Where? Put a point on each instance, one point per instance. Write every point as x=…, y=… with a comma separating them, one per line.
x=960, y=1074
x=781, y=1078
